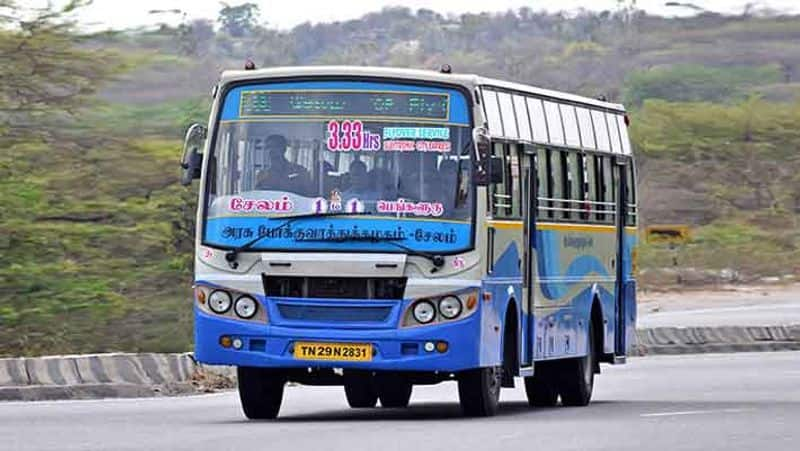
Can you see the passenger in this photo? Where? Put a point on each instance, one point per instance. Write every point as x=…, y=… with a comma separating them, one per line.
x=385, y=183
x=282, y=174
x=360, y=183
x=409, y=184
x=448, y=184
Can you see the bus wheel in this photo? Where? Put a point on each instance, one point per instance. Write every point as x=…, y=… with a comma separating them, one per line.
x=359, y=388
x=540, y=388
x=577, y=376
x=261, y=392
x=394, y=390
x=479, y=391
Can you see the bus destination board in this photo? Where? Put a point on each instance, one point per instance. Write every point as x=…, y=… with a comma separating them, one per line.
x=344, y=103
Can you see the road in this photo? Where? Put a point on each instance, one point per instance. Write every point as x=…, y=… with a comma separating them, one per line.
x=745, y=306
x=701, y=402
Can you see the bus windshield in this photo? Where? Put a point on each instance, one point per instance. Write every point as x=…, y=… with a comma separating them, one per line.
x=397, y=157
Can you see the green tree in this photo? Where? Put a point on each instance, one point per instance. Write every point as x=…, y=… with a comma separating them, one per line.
x=239, y=20
x=46, y=75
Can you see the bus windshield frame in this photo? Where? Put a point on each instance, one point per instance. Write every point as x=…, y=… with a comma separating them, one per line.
x=424, y=223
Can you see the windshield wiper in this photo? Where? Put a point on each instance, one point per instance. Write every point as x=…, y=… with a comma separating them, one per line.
x=436, y=259
x=232, y=255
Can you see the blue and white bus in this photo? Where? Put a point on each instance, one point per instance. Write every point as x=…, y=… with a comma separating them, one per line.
x=379, y=228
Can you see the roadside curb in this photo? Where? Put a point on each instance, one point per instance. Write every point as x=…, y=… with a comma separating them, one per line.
x=699, y=340
x=115, y=375
x=127, y=375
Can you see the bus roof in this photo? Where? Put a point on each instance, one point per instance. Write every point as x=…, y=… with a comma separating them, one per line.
x=468, y=80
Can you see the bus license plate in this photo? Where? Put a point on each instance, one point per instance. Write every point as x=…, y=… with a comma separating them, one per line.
x=352, y=352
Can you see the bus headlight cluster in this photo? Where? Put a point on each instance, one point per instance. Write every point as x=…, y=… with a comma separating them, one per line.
x=222, y=302
x=446, y=308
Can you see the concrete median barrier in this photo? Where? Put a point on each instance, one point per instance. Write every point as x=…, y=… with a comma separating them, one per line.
x=695, y=340
x=119, y=375
x=108, y=375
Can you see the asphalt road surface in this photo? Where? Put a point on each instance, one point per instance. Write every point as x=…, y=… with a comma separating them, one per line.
x=704, y=402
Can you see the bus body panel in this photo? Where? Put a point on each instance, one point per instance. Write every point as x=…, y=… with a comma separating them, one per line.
x=566, y=281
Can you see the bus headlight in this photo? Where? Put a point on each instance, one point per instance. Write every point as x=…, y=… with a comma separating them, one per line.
x=245, y=307
x=424, y=312
x=219, y=302
x=450, y=307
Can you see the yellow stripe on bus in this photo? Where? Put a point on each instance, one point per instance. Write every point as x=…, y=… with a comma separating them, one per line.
x=517, y=225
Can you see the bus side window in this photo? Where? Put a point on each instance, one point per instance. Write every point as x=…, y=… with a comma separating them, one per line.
x=559, y=184
x=600, y=189
x=577, y=176
x=630, y=197
x=566, y=184
x=610, y=190
x=514, y=161
x=501, y=202
x=542, y=182
x=552, y=185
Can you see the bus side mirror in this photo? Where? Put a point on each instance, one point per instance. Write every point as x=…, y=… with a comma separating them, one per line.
x=192, y=158
x=488, y=167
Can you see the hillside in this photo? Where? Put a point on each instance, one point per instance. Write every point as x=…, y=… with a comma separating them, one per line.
x=95, y=232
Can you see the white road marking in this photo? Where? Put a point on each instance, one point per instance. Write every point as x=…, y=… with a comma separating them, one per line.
x=693, y=412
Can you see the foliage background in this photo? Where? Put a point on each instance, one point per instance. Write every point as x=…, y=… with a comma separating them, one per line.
x=96, y=234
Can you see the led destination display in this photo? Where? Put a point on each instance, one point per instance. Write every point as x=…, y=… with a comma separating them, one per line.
x=344, y=103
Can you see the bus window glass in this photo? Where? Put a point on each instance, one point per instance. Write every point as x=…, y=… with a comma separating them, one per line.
x=542, y=180
x=600, y=130
x=575, y=165
x=570, y=125
x=592, y=184
x=630, y=196
x=514, y=162
x=538, y=121
x=507, y=112
x=566, y=184
x=608, y=191
x=492, y=109
x=554, y=127
x=623, y=131
x=523, y=121
x=501, y=192
x=558, y=182
x=404, y=157
x=585, y=127
x=613, y=132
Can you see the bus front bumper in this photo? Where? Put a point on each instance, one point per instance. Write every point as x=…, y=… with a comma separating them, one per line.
x=399, y=349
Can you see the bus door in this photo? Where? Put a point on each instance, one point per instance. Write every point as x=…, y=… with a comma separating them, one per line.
x=529, y=199
x=620, y=179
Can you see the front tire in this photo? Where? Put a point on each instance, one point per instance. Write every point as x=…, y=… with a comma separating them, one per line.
x=577, y=379
x=479, y=391
x=260, y=391
x=394, y=390
x=359, y=388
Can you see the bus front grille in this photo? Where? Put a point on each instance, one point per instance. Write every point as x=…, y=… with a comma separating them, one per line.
x=381, y=288
x=359, y=314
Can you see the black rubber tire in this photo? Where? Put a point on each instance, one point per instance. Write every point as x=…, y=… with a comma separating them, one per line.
x=479, y=391
x=541, y=388
x=393, y=390
x=576, y=380
x=260, y=391
x=359, y=388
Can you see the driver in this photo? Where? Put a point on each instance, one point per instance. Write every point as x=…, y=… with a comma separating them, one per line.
x=282, y=174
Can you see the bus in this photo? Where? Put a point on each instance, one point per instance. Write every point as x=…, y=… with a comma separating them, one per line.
x=381, y=228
